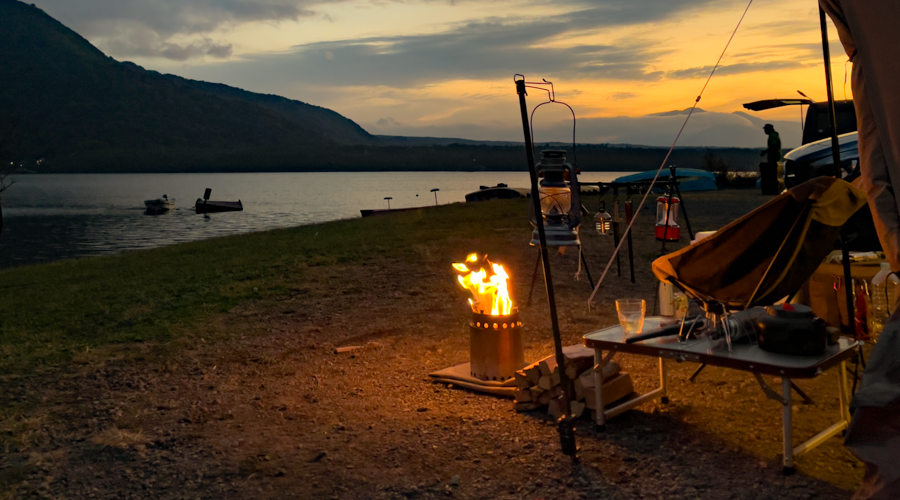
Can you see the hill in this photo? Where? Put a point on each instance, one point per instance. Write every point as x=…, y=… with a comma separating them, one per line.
x=72, y=105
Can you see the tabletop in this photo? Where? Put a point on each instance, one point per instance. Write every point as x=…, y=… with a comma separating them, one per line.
x=747, y=357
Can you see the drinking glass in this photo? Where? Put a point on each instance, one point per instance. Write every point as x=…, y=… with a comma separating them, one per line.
x=631, y=315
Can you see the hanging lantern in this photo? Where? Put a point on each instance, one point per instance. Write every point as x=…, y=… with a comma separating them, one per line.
x=667, y=228
x=559, y=201
x=603, y=221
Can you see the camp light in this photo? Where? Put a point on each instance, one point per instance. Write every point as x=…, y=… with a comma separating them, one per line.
x=667, y=228
x=559, y=201
x=603, y=221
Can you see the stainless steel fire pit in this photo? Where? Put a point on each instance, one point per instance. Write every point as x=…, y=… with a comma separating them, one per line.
x=496, y=350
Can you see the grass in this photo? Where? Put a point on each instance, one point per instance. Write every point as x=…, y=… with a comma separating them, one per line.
x=51, y=313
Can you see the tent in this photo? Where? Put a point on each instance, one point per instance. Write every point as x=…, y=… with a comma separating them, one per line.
x=868, y=32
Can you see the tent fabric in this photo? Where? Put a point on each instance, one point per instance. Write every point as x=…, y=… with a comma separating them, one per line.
x=869, y=34
x=788, y=236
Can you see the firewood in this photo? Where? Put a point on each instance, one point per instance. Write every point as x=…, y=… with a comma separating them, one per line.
x=547, y=396
x=613, y=389
x=546, y=382
x=536, y=392
x=577, y=408
x=526, y=406
x=578, y=358
x=522, y=381
x=554, y=408
x=523, y=396
x=585, y=381
x=532, y=373
x=609, y=369
x=548, y=366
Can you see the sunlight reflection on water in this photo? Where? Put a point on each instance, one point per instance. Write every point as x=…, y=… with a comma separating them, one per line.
x=53, y=217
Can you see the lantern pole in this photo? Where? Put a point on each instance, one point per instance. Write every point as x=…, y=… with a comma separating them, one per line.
x=836, y=158
x=566, y=429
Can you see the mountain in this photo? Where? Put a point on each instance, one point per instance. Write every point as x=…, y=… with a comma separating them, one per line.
x=73, y=106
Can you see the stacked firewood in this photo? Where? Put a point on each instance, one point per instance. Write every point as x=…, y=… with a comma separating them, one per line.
x=539, y=383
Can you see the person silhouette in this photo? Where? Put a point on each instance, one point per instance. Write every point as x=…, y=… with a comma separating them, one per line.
x=768, y=170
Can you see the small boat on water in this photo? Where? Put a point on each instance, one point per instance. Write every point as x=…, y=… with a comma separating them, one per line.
x=499, y=192
x=205, y=206
x=689, y=179
x=159, y=204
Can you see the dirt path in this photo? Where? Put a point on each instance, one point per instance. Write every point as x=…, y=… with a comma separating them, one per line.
x=276, y=413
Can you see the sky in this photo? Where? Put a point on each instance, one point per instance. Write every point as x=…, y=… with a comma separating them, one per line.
x=444, y=68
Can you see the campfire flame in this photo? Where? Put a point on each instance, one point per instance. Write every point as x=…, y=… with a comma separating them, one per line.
x=489, y=285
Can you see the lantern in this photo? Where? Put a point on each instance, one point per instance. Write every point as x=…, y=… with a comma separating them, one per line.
x=559, y=201
x=667, y=228
x=603, y=221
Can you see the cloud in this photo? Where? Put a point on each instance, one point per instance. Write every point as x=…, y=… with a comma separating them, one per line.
x=119, y=26
x=389, y=122
x=733, y=69
x=147, y=27
x=703, y=129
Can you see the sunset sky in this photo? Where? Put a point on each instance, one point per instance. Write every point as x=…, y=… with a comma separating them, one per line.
x=445, y=68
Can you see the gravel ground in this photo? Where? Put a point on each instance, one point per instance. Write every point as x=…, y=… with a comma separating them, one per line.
x=275, y=412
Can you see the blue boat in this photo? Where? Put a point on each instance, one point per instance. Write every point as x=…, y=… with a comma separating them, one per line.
x=689, y=179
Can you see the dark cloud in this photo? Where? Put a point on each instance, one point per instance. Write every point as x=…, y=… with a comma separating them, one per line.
x=703, y=129
x=618, y=96
x=145, y=27
x=733, y=69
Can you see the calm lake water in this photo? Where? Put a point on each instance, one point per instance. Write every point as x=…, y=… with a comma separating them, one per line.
x=52, y=217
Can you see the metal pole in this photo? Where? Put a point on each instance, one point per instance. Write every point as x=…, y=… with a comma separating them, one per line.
x=629, y=214
x=566, y=430
x=836, y=158
x=687, y=222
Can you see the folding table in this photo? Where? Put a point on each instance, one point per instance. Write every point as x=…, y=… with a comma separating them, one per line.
x=745, y=357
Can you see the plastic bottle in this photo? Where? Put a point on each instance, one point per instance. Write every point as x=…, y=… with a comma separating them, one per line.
x=879, y=293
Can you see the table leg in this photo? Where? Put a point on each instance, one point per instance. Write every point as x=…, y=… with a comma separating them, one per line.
x=844, y=393
x=786, y=422
x=598, y=389
x=664, y=396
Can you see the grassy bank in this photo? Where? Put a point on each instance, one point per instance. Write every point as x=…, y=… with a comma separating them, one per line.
x=49, y=313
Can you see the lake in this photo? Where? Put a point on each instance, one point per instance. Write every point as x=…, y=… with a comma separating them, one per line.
x=53, y=217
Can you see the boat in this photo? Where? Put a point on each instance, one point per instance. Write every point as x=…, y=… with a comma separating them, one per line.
x=159, y=204
x=499, y=192
x=689, y=179
x=207, y=206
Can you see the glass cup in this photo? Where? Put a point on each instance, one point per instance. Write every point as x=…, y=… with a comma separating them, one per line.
x=631, y=315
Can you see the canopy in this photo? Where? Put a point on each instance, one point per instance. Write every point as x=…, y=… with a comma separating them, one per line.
x=769, y=253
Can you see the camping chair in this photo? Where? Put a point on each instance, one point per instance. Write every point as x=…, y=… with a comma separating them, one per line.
x=766, y=255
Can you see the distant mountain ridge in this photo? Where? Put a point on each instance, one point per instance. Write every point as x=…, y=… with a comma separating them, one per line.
x=71, y=103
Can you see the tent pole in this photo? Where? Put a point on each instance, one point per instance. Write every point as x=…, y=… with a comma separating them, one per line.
x=836, y=158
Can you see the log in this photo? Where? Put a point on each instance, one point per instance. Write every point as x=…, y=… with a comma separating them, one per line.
x=614, y=389
x=554, y=408
x=585, y=381
x=527, y=406
x=532, y=373
x=522, y=381
x=547, y=396
x=578, y=359
x=548, y=365
x=523, y=396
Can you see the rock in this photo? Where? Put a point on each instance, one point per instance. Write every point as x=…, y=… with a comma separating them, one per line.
x=454, y=481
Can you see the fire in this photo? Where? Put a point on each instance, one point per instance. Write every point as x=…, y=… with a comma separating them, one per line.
x=489, y=287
